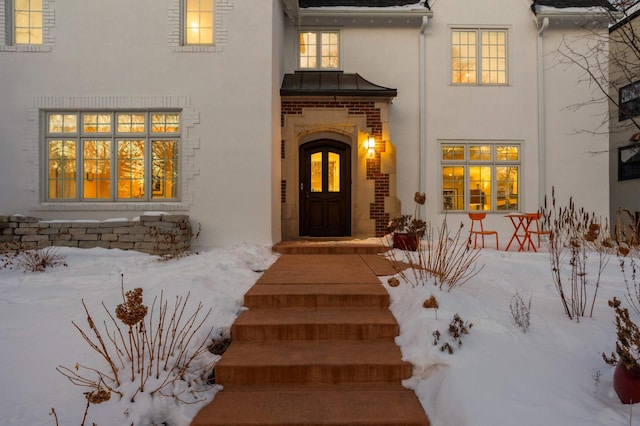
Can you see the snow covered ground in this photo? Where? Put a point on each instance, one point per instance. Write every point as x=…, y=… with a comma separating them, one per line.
x=551, y=375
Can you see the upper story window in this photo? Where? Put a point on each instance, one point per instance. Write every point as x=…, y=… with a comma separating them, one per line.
x=112, y=155
x=199, y=25
x=480, y=176
x=319, y=50
x=27, y=21
x=629, y=101
x=629, y=162
x=479, y=56
x=27, y=25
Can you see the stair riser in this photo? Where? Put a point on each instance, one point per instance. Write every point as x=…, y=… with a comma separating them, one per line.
x=313, y=301
x=311, y=374
x=314, y=332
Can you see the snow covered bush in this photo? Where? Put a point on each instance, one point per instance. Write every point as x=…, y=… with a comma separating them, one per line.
x=39, y=260
x=448, y=259
x=160, y=351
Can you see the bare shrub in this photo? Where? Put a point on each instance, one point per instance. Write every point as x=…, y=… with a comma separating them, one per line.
x=575, y=238
x=38, y=260
x=151, y=347
x=457, y=328
x=448, y=259
x=521, y=311
x=631, y=283
x=627, y=233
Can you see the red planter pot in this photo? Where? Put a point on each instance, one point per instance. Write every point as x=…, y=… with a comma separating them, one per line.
x=626, y=383
x=405, y=241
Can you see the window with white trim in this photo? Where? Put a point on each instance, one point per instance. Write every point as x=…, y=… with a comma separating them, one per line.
x=199, y=23
x=480, y=176
x=112, y=155
x=27, y=21
x=319, y=50
x=479, y=57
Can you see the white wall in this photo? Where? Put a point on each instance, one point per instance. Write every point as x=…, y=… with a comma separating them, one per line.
x=490, y=113
x=101, y=52
x=576, y=144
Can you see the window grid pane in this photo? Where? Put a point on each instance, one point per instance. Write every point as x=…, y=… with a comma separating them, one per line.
x=308, y=50
x=494, y=54
x=130, y=169
x=199, y=22
x=27, y=15
x=131, y=123
x=507, y=187
x=96, y=170
x=453, y=178
x=463, y=57
x=62, y=169
x=480, y=184
x=164, y=165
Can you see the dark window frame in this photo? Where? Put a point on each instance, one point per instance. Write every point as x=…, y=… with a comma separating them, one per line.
x=629, y=101
x=629, y=168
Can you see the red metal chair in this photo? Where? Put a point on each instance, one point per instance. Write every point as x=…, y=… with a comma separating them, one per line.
x=479, y=217
x=537, y=231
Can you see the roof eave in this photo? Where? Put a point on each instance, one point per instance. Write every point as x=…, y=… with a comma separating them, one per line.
x=380, y=16
x=575, y=16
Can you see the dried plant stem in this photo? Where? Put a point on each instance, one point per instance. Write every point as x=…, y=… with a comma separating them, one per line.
x=102, y=350
x=450, y=260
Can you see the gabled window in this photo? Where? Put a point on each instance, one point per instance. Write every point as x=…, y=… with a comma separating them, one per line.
x=480, y=176
x=319, y=50
x=111, y=155
x=199, y=24
x=629, y=101
x=479, y=57
x=629, y=162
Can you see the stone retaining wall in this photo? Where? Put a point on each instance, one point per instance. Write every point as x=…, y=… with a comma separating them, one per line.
x=154, y=234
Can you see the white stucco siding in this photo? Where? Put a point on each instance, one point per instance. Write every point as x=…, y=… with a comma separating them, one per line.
x=482, y=112
x=576, y=142
x=122, y=50
x=389, y=57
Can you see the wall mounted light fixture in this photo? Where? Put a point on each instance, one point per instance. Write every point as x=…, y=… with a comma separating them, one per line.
x=369, y=145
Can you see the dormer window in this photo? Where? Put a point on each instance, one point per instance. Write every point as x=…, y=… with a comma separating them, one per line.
x=319, y=50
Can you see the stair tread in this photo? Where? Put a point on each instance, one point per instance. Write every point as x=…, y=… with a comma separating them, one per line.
x=312, y=352
x=315, y=315
x=334, y=405
x=327, y=288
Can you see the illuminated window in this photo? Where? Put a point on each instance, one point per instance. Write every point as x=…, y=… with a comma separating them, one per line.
x=319, y=50
x=480, y=176
x=198, y=22
x=479, y=56
x=134, y=160
x=27, y=21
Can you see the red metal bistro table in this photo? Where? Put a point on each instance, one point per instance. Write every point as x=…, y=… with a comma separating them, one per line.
x=521, y=223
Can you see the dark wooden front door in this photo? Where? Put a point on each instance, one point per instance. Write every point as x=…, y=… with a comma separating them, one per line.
x=325, y=189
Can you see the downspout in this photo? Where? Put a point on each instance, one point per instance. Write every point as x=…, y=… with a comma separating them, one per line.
x=542, y=166
x=422, y=149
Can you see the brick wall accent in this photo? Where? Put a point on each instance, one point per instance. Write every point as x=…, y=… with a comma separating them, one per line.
x=358, y=106
x=153, y=234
